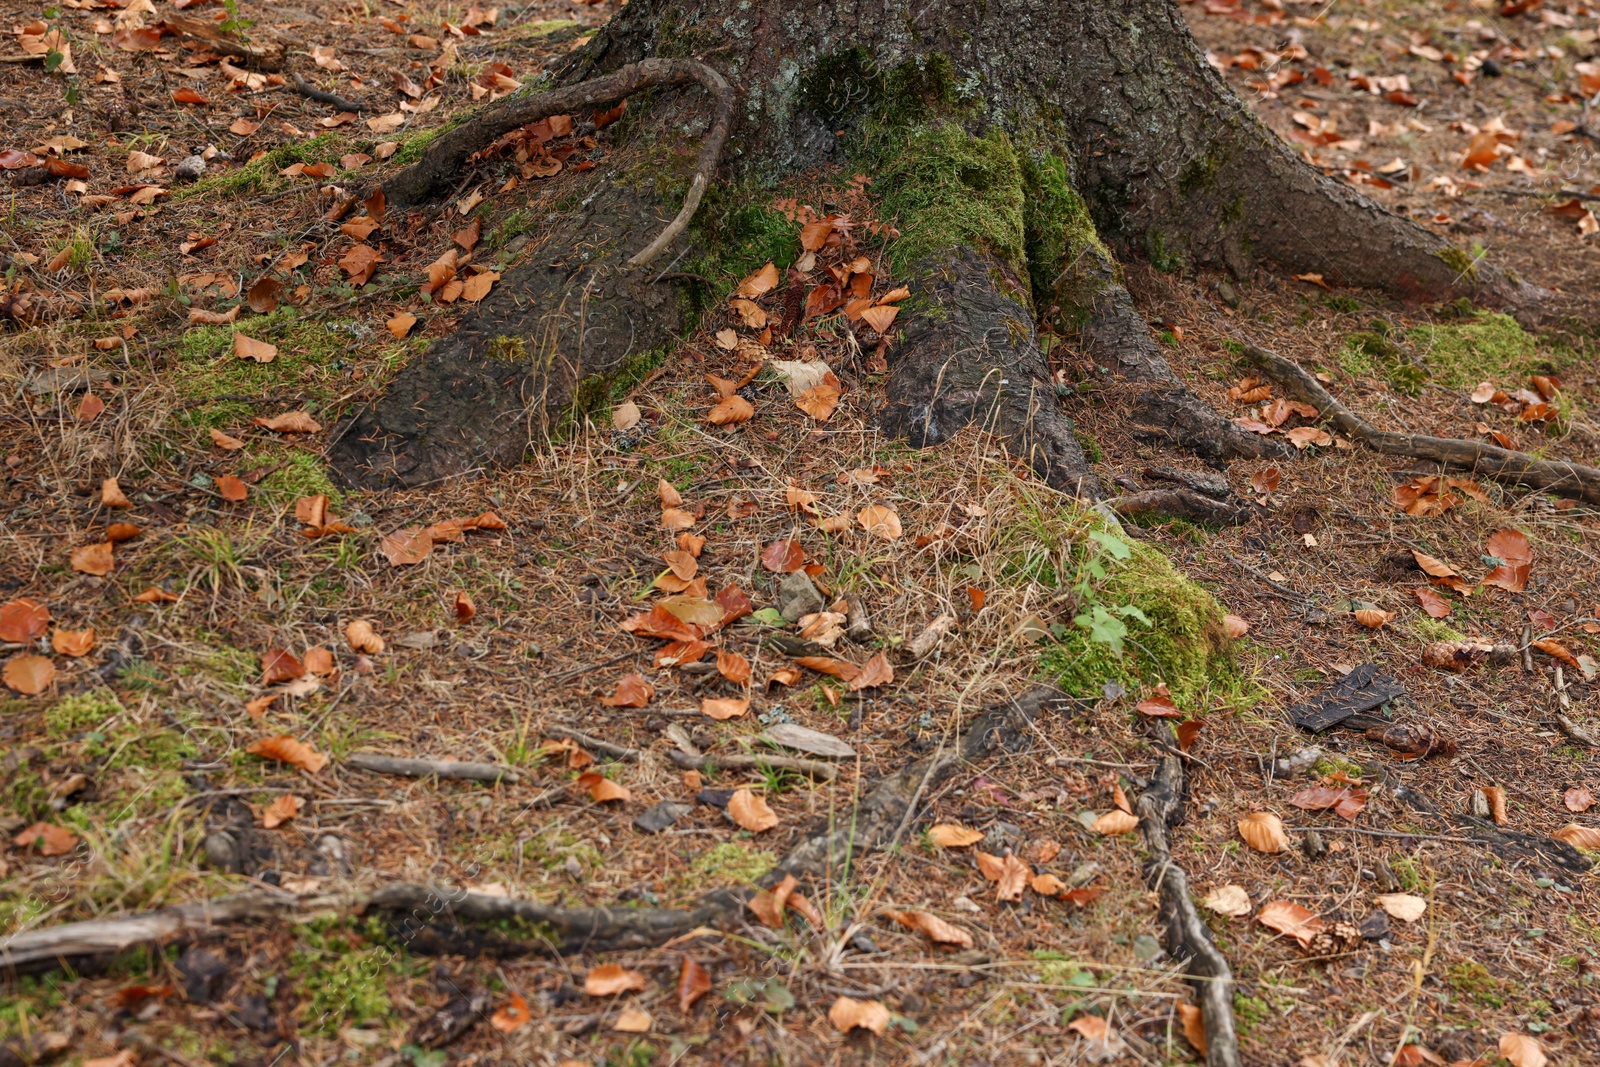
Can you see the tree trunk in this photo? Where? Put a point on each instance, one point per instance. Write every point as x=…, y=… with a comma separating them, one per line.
x=1019, y=146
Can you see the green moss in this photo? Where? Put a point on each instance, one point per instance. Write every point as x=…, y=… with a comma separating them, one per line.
x=945, y=187
x=1429, y=629
x=1460, y=262
x=341, y=978
x=29, y=999
x=413, y=148
x=1472, y=979
x=849, y=88
x=1166, y=258
x=308, y=351
x=728, y=863
x=592, y=392
x=302, y=474
x=73, y=715
x=508, y=347
x=1371, y=353
x=1249, y=1012
x=1059, y=236
x=262, y=174
x=1488, y=346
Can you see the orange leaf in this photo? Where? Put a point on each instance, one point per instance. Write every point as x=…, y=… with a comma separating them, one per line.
x=289, y=422
x=1584, y=837
x=1372, y=618
x=751, y=812
x=89, y=407
x=632, y=692
x=1436, y=606
x=407, y=547
x=512, y=1015
x=783, y=557
x=249, y=348
x=156, y=596
x=1578, y=799
x=838, y=668
x=609, y=979
x=760, y=283
x=119, y=532
x=1115, y=821
x=29, y=674
x=222, y=440
x=1263, y=831
x=279, y=665
x=937, y=930
x=232, y=489
x=281, y=810
x=849, y=1014
x=1158, y=707
x=112, y=496
x=601, y=788
x=362, y=636
x=693, y=983
x=22, y=620
x=72, y=642
x=875, y=672
x=949, y=835
x=465, y=609
x=1291, y=920
x=49, y=839
x=478, y=286
x=1091, y=1027
x=734, y=667
x=286, y=749
x=93, y=559
x=1194, y=1026
x=880, y=520
x=319, y=661
x=724, y=708
x=730, y=411
x=401, y=324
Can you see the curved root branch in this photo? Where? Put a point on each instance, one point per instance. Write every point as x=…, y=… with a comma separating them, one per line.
x=448, y=154
x=1187, y=938
x=1490, y=461
x=1182, y=504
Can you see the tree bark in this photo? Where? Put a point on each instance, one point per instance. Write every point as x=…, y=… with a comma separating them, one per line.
x=1109, y=112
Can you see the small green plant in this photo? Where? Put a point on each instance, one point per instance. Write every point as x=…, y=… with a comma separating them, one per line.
x=234, y=23
x=1105, y=623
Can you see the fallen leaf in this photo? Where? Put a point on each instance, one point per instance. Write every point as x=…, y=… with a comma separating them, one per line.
x=1303, y=436
x=73, y=643
x=281, y=810
x=477, y=287
x=112, y=496
x=1235, y=626
x=936, y=929
x=751, y=812
x=1115, y=821
x=1194, y=1026
x=1291, y=920
x=880, y=520
x=93, y=559
x=1159, y=706
x=1437, y=607
x=1263, y=831
x=849, y=1014
x=632, y=692
x=1091, y=1028
x=1577, y=799
x=231, y=489
x=89, y=408
x=1403, y=906
x=286, y=749
x=156, y=596
x=1372, y=618
x=950, y=835
x=401, y=324
x=49, y=839
x=362, y=637
x=1229, y=900
x=1510, y=546
x=1046, y=885
x=626, y=416
x=632, y=1021
x=609, y=979
x=1522, y=1051
x=724, y=708
x=1345, y=803
x=512, y=1015
x=1556, y=650
x=758, y=284
x=319, y=662
x=405, y=548
x=28, y=674
x=732, y=666
x=222, y=440
x=783, y=557
x=730, y=411
x=875, y=672
x=693, y=983
x=280, y=665
x=1584, y=837
x=119, y=532
x=601, y=788
x=289, y=422
x=250, y=348
x=22, y=620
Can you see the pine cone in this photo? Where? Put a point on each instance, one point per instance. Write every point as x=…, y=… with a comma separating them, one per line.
x=1337, y=937
x=1414, y=741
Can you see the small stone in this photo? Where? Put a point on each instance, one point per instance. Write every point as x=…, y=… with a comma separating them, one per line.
x=658, y=817
x=1480, y=804
x=189, y=169
x=797, y=597
x=1146, y=948
x=422, y=640
x=801, y=739
x=863, y=943
x=1375, y=927
x=1083, y=874
x=1227, y=293
x=203, y=972
x=1313, y=844
x=223, y=852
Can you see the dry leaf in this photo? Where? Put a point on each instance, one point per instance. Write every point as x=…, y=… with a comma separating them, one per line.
x=362, y=637
x=730, y=411
x=1497, y=804
x=626, y=416
x=72, y=643
x=1046, y=885
x=49, y=839
x=222, y=440
x=1584, y=837
x=601, y=788
x=760, y=283
x=1229, y=900
x=401, y=324
x=1194, y=1026
x=1577, y=799
x=1512, y=547
x=1437, y=606
x=279, y=665
x=289, y=422
x=734, y=667
x=477, y=287
x=783, y=557
x=407, y=547
x=112, y=496
x=1091, y=1028
x=512, y=1016
x=693, y=983
x=22, y=620
x=231, y=489
x=751, y=812
x=319, y=661
x=93, y=559
x=848, y=1014
x=1372, y=618
x=609, y=979
x=1402, y=906
x=1235, y=626
x=1291, y=920
x=875, y=672
x=1263, y=831
x=881, y=520
x=286, y=749
x=632, y=692
x=281, y=810
x=949, y=835
x=1116, y=821
x=29, y=674
x=250, y=348
x=936, y=929
x=464, y=608
x=1522, y=1051
x=632, y=1021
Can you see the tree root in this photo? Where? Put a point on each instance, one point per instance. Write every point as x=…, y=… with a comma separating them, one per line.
x=874, y=824
x=1183, y=504
x=449, y=153
x=311, y=92
x=1490, y=461
x=1187, y=938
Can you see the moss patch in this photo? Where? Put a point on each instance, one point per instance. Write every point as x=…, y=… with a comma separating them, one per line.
x=341, y=978
x=1058, y=235
x=1487, y=347
x=945, y=187
x=262, y=174
x=87, y=711
x=302, y=474
x=729, y=863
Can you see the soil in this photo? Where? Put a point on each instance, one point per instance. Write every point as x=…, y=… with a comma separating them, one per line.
x=156, y=719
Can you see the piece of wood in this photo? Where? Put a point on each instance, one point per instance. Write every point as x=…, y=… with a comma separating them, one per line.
x=589, y=741
x=432, y=768
x=1498, y=464
x=738, y=761
x=922, y=644
x=1181, y=504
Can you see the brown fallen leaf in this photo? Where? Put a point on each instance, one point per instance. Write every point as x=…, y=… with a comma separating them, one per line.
x=1235, y=626
x=949, y=835
x=632, y=692
x=875, y=672
x=222, y=440
x=289, y=422
x=1291, y=920
x=693, y=983
x=609, y=979
x=1263, y=831
x=1372, y=618
x=23, y=620
x=881, y=521
x=1510, y=546
x=1114, y=822
x=849, y=1014
x=767, y=904
x=112, y=496
x=407, y=547
x=1437, y=606
x=730, y=411
x=1584, y=837
x=28, y=674
x=512, y=1015
x=783, y=557
x=601, y=788
x=400, y=325
x=1496, y=796
x=1194, y=1026
x=1577, y=799
x=281, y=810
x=73, y=643
x=49, y=839
x=1346, y=803
x=937, y=930
x=732, y=666
x=1406, y=907
x=362, y=637
x=1557, y=650
x=93, y=559
x=1091, y=1028
x=280, y=665
x=286, y=749
x=1520, y=1050
x=751, y=812
x=231, y=489
x=250, y=348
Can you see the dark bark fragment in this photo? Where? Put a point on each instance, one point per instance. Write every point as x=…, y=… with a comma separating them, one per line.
x=1182, y=504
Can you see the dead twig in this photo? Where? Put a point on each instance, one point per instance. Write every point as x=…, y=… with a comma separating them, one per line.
x=591, y=742
x=432, y=768
x=739, y=761
x=322, y=96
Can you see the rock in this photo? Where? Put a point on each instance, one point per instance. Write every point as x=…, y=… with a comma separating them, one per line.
x=1314, y=846
x=1146, y=948
x=1003, y=837
x=254, y=1012
x=1227, y=293
x=203, y=972
x=658, y=817
x=189, y=169
x=65, y=380
x=1083, y=874
x=859, y=628
x=797, y=597
x=223, y=851
x=1375, y=927
x=422, y=640
x=801, y=739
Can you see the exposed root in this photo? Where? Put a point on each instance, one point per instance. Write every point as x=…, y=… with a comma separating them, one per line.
x=311, y=92
x=1182, y=504
x=1490, y=461
x=738, y=761
x=449, y=153
x=875, y=823
x=1187, y=938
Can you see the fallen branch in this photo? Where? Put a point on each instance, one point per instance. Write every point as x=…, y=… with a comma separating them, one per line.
x=432, y=768
x=738, y=761
x=322, y=96
x=591, y=742
x=450, y=151
x=922, y=644
x=1187, y=937
x=1181, y=504
x=1491, y=461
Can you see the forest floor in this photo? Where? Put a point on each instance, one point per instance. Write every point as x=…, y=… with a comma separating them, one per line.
x=124, y=748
